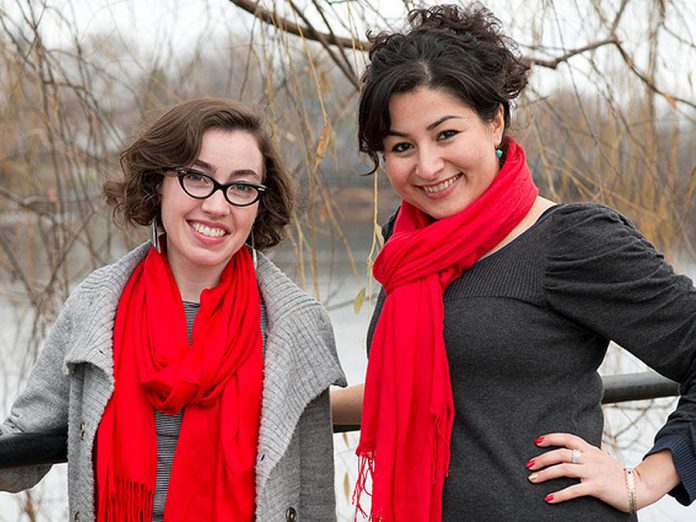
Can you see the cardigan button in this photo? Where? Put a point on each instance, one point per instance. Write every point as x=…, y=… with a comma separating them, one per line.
x=291, y=515
x=77, y=516
x=82, y=437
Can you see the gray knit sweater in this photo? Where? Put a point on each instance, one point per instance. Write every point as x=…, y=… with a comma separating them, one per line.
x=73, y=380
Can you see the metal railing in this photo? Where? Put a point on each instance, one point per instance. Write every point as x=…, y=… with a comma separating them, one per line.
x=51, y=448
x=617, y=388
x=637, y=387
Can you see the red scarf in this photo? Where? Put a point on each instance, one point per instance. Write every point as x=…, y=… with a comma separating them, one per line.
x=218, y=379
x=408, y=407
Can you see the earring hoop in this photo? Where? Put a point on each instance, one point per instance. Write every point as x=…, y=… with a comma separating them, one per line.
x=155, y=235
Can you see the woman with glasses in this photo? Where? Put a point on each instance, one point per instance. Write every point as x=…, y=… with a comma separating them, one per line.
x=192, y=374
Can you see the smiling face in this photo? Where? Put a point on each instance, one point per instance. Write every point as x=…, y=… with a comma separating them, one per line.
x=439, y=155
x=204, y=234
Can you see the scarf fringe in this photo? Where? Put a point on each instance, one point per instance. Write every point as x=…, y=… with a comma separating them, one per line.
x=131, y=502
x=366, y=469
x=441, y=449
x=441, y=461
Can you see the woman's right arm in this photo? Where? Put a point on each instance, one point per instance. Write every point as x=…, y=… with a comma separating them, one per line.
x=43, y=404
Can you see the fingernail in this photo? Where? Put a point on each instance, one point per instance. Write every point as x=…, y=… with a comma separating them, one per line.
x=529, y=464
x=538, y=440
x=548, y=498
x=533, y=477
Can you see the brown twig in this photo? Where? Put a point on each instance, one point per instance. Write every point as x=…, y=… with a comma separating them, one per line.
x=650, y=82
x=308, y=32
x=555, y=62
x=343, y=64
x=286, y=25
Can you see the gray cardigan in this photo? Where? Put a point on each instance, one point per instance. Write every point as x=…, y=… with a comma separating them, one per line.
x=73, y=380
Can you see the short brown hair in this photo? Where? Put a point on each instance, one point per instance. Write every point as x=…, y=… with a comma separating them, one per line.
x=174, y=140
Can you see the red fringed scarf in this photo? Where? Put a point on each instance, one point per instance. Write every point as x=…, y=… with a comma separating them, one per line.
x=408, y=408
x=218, y=379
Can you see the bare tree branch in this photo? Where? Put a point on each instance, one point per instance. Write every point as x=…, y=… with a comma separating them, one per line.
x=554, y=63
x=648, y=81
x=343, y=65
x=328, y=25
x=286, y=25
x=619, y=14
x=327, y=39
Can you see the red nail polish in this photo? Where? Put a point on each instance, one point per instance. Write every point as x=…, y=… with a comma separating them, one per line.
x=529, y=464
x=548, y=498
x=538, y=440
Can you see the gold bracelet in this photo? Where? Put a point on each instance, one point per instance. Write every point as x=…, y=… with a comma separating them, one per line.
x=631, y=488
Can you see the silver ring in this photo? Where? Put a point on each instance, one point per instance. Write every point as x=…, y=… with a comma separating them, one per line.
x=575, y=456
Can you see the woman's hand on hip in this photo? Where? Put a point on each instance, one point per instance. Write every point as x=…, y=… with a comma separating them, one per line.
x=601, y=475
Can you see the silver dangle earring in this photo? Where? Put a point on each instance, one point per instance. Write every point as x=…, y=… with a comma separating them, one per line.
x=154, y=236
x=254, y=258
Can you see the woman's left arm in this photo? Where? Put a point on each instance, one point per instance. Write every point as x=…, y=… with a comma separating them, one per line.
x=600, y=474
x=606, y=276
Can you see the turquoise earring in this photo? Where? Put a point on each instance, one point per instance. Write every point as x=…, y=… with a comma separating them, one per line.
x=499, y=153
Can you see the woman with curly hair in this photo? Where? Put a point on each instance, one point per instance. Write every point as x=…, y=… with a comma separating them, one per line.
x=192, y=374
x=482, y=399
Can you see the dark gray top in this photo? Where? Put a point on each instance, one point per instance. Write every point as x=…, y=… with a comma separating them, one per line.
x=526, y=329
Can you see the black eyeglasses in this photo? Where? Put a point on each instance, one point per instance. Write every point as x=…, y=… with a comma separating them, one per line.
x=199, y=185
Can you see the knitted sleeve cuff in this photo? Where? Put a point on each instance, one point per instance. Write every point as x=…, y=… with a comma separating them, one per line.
x=685, y=462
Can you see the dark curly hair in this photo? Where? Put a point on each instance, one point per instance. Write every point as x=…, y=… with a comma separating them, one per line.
x=174, y=140
x=458, y=50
